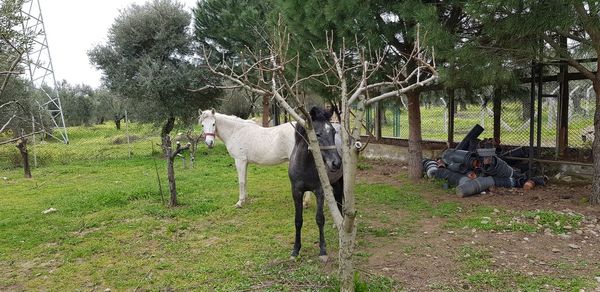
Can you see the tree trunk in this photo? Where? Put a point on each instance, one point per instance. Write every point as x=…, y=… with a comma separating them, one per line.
x=346, y=265
x=577, y=102
x=168, y=151
x=463, y=104
x=595, y=195
x=22, y=145
x=266, y=110
x=415, y=153
x=347, y=234
x=171, y=171
x=118, y=123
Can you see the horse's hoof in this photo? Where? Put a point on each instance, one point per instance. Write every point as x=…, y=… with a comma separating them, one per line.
x=238, y=204
x=323, y=258
x=294, y=258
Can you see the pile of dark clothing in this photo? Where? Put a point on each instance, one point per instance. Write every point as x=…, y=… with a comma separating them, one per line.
x=474, y=169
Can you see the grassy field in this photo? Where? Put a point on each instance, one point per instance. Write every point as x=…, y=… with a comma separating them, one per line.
x=111, y=228
x=515, y=130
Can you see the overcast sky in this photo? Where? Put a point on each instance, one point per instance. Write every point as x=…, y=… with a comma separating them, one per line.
x=75, y=26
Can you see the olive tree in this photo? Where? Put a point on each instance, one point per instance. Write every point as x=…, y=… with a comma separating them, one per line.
x=148, y=59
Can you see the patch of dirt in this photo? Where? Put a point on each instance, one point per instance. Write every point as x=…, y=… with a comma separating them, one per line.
x=432, y=257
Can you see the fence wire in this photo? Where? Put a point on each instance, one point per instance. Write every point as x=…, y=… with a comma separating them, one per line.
x=90, y=143
x=478, y=108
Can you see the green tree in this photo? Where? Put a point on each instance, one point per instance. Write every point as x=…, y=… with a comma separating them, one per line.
x=109, y=105
x=77, y=102
x=12, y=47
x=148, y=59
x=233, y=29
x=538, y=31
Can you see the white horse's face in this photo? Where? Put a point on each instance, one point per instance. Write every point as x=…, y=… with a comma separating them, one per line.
x=208, y=122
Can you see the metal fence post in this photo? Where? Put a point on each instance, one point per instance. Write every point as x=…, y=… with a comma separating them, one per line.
x=451, y=107
x=396, y=121
x=497, y=113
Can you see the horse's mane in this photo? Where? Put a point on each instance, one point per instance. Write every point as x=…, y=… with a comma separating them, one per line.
x=317, y=114
x=236, y=119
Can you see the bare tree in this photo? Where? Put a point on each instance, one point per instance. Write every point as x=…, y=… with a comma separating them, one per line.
x=351, y=72
x=193, y=141
x=171, y=154
x=22, y=146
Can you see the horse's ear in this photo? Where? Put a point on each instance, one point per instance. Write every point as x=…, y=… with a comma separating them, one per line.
x=314, y=113
x=199, y=111
x=212, y=110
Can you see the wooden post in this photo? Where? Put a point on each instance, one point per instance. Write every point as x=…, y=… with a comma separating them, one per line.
x=563, y=106
x=378, y=120
x=563, y=111
x=497, y=114
x=22, y=146
x=127, y=133
x=451, y=111
x=34, y=142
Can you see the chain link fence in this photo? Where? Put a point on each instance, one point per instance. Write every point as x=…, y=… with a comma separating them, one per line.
x=471, y=108
x=94, y=143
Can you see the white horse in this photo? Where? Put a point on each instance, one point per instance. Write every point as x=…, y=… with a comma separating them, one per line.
x=248, y=142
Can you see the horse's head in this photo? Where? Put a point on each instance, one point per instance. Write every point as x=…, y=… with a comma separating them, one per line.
x=326, y=136
x=208, y=122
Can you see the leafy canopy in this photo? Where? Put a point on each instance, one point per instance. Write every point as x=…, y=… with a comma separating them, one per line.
x=148, y=58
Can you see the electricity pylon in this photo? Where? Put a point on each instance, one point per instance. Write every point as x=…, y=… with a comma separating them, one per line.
x=38, y=64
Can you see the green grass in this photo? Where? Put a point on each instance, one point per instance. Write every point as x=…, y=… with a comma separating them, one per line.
x=113, y=230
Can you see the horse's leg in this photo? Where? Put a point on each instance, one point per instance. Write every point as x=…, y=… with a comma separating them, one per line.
x=320, y=218
x=297, y=196
x=242, y=166
x=306, y=200
x=338, y=194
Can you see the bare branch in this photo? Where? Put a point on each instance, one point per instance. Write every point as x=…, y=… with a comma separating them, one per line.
x=206, y=87
x=411, y=87
x=7, y=123
x=179, y=149
x=11, y=72
x=235, y=78
x=566, y=56
x=7, y=103
x=13, y=66
x=282, y=100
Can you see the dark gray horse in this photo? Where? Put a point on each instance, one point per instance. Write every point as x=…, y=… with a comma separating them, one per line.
x=304, y=177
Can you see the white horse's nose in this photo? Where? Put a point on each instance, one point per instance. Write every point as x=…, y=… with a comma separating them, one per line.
x=210, y=143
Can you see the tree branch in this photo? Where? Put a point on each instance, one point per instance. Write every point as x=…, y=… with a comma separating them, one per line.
x=206, y=87
x=566, y=56
x=6, y=124
x=411, y=87
x=179, y=149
